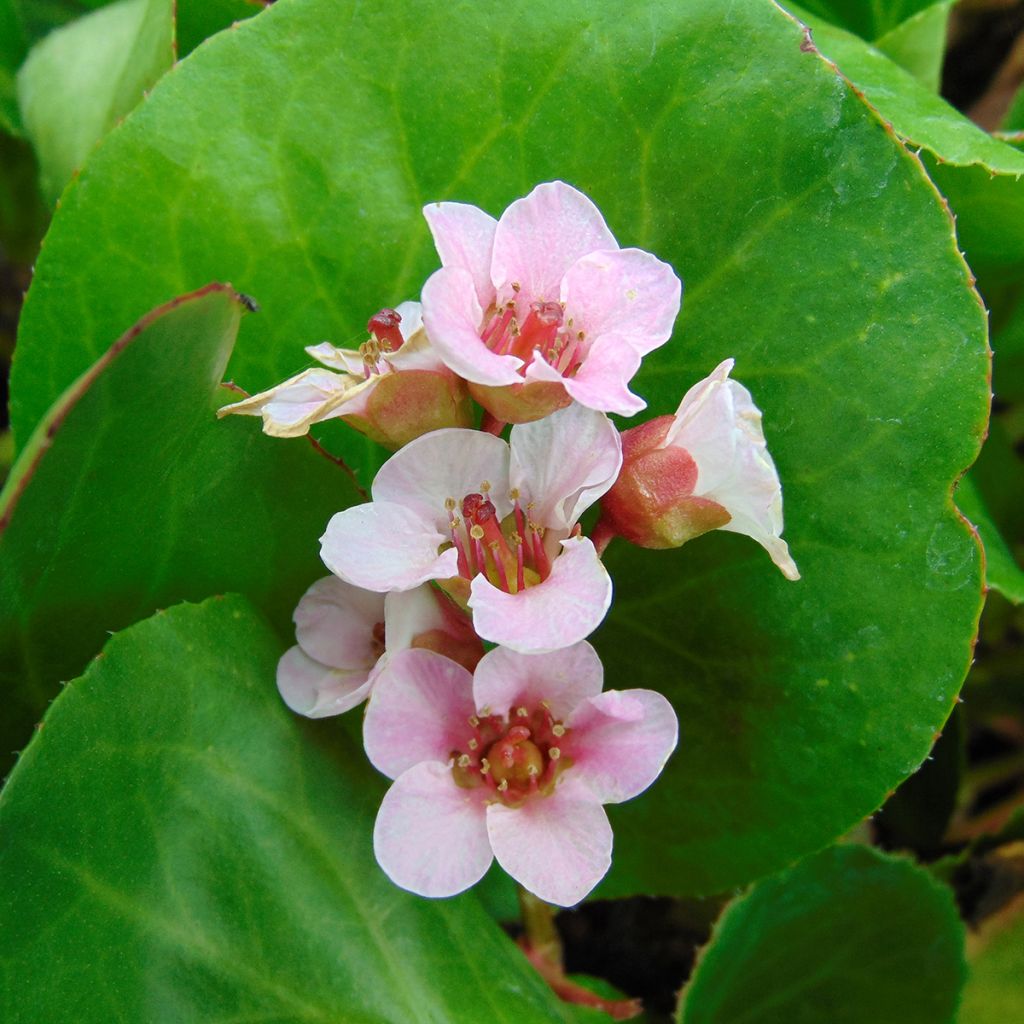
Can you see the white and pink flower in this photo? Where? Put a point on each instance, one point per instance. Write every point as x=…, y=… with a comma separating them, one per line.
x=542, y=307
x=494, y=523
x=513, y=762
x=345, y=635
x=393, y=388
x=706, y=468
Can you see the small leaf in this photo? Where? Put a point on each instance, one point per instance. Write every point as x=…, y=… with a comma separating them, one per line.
x=847, y=936
x=176, y=846
x=82, y=79
x=1002, y=572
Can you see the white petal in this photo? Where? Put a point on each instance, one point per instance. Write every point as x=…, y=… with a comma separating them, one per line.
x=564, y=463
x=566, y=608
x=558, y=847
x=444, y=464
x=430, y=836
x=383, y=546
x=334, y=623
x=410, y=612
x=316, y=691
x=464, y=237
x=564, y=678
x=420, y=709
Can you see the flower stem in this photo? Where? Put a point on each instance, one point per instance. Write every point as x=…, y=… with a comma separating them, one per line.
x=539, y=929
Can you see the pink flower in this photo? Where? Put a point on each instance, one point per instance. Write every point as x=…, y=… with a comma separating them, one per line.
x=514, y=761
x=494, y=522
x=393, y=388
x=705, y=468
x=346, y=634
x=542, y=307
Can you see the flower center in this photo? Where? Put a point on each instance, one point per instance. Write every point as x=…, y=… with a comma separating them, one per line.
x=377, y=640
x=543, y=331
x=510, y=554
x=385, y=338
x=515, y=757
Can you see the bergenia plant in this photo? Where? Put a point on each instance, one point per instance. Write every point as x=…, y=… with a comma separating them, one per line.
x=323, y=721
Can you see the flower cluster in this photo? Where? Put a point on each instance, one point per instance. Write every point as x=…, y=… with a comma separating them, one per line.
x=509, y=753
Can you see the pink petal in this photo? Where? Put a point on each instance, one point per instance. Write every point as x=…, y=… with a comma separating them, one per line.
x=564, y=678
x=540, y=237
x=316, y=691
x=419, y=711
x=619, y=742
x=453, y=318
x=464, y=237
x=602, y=381
x=408, y=613
x=558, y=847
x=383, y=546
x=431, y=836
x=566, y=608
x=564, y=463
x=334, y=623
x=444, y=464
x=626, y=292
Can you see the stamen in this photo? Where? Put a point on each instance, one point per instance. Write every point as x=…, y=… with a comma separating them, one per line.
x=464, y=761
x=558, y=729
x=472, y=744
x=473, y=721
x=485, y=766
x=503, y=785
x=554, y=753
x=522, y=712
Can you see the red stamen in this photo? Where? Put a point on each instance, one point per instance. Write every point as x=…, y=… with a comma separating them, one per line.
x=384, y=327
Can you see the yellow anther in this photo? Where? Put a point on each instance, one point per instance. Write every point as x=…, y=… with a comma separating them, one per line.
x=522, y=712
x=476, y=532
x=516, y=286
x=554, y=753
x=546, y=705
x=558, y=729
x=464, y=761
x=503, y=785
x=514, y=494
x=472, y=744
x=532, y=769
x=474, y=721
x=485, y=486
x=485, y=766
x=450, y=504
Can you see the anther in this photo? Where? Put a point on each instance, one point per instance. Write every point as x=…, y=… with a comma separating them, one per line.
x=503, y=785
x=464, y=761
x=450, y=504
x=554, y=753
x=522, y=712
x=485, y=766
x=513, y=494
x=558, y=729
x=476, y=532
x=473, y=721
x=485, y=486
x=472, y=744
x=532, y=770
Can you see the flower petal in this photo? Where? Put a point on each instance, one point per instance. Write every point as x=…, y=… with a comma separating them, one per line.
x=347, y=360
x=719, y=425
x=420, y=709
x=564, y=463
x=619, y=742
x=449, y=463
x=289, y=409
x=539, y=237
x=410, y=612
x=602, y=381
x=566, y=608
x=430, y=836
x=334, y=623
x=317, y=691
x=626, y=292
x=559, y=847
x=453, y=318
x=464, y=236
x=383, y=546
x=564, y=678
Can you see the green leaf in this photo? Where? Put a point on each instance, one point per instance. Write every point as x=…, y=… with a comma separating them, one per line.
x=994, y=992
x=868, y=18
x=1002, y=572
x=12, y=53
x=83, y=78
x=207, y=856
x=197, y=20
x=846, y=937
x=293, y=155
x=131, y=496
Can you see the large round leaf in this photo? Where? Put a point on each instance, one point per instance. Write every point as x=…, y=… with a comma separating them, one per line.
x=176, y=846
x=293, y=154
